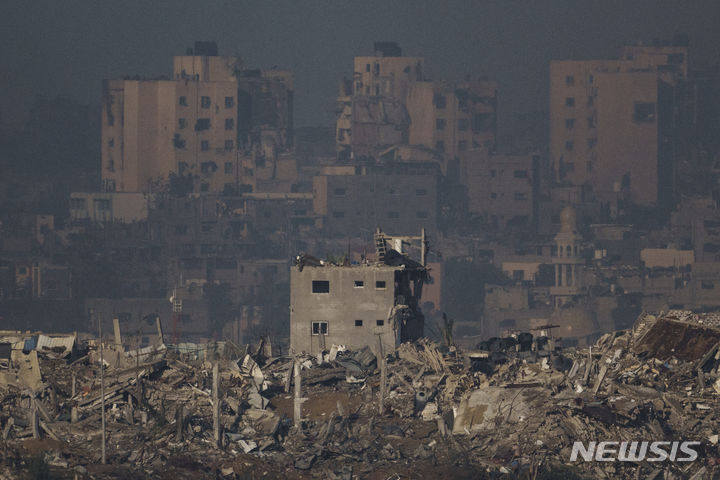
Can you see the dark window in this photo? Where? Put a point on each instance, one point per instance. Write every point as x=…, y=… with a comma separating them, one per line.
x=493, y=195
x=358, y=323
x=591, y=142
x=462, y=145
x=367, y=67
x=380, y=284
x=320, y=286
x=380, y=323
x=229, y=123
x=521, y=196
x=359, y=284
x=422, y=214
x=440, y=146
x=228, y=167
x=644, y=112
x=229, y=102
x=228, y=145
x=204, y=145
x=463, y=124
x=440, y=124
x=569, y=80
x=182, y=123
x=182, y=101
x=570, y=102
x=319, y=328
x=591, y=100
x=569, y=123
x=393, y=215
x=439, y=101
x=339, y=214
x=202, y=124
x=675, y=58
x=520, y=174
x=339, y=192
x=204, y=102
x=204, y=187
x=591, y=122
x=420, y=192
x=569, y=145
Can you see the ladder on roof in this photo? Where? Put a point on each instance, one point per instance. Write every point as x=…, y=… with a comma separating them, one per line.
x=380, y=247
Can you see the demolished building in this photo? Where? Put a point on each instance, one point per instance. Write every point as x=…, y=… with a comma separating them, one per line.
x=356, y=305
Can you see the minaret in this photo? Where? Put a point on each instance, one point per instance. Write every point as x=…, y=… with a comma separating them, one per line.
x=567, y=259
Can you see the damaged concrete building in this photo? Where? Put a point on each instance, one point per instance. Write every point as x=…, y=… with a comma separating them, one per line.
x=357, y=305
x=615, y=124
x=389, y=102
x=212, y=123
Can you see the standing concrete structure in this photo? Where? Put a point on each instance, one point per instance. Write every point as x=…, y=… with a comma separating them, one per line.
x=211, y=125
x=614, y=123
x=353, y=305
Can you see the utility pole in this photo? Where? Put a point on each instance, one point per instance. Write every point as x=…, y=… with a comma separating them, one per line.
x=383, y=373
x=102, y=387
x=216, y=403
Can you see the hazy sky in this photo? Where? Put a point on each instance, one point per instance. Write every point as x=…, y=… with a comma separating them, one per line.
x=53, y=47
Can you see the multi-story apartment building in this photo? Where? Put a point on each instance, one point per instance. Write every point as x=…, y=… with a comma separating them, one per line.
x=502, y=189
x=613, y=123
x=452, y=117
x=400, y=199
x=388, y=102
x=208, y=127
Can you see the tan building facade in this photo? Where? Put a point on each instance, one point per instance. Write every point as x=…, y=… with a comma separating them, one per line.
x=212, y=124
x=607, y=121
x=388, y=102
x=502, y=189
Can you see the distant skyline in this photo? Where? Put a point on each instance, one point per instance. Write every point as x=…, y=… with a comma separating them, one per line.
x=55, y=48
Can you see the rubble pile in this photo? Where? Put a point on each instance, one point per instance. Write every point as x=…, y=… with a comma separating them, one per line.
x=511, y=408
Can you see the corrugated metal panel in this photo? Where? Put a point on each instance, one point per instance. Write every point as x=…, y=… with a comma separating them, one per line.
x=66, y=342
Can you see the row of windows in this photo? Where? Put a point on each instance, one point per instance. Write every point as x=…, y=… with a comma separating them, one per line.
x=420, y=214
x=420, y=192
x=322, y=328
x=570, y=123
x=204, y=124
x=205, y=101
x=323, y=286
x=205, y=145
x=519, y=196
x=570, y=79
x=570, y=101
x=462, y=124
x=570, y=145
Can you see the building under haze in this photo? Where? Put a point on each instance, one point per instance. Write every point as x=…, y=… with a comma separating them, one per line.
x=205, y=129
x=389, y=102
x=613, y=123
